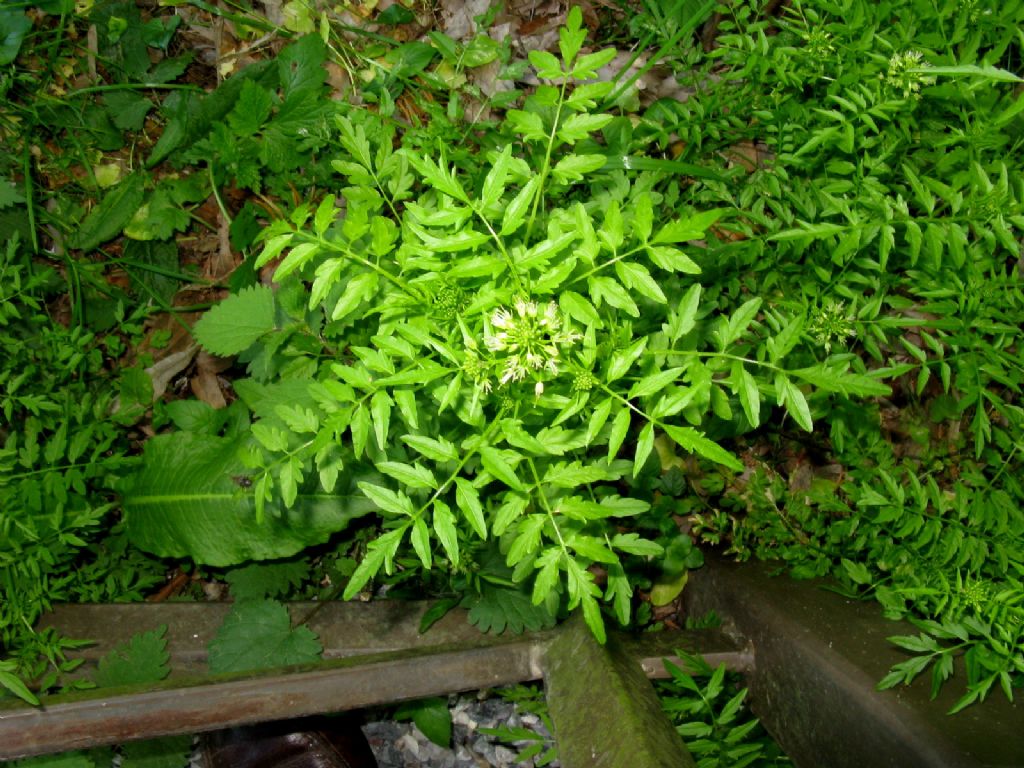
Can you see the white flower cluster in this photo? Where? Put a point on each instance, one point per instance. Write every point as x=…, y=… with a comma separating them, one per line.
x=528, y=339
x=901, y=77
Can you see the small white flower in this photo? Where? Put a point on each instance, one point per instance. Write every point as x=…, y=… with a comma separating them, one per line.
x=538, y=388
x=501, y=319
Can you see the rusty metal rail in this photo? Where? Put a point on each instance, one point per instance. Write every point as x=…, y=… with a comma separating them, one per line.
x=374, y=654
x=811, y=659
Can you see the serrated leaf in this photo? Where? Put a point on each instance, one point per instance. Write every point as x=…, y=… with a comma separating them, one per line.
x=420, y=539
x=695, y=442
x=296, y=259
x=673, y=260
x=412, y=475
x=691, y=228
x=644, y=445
x=637, y=278
x=573, y=167
x=494, y=182
x=578, y=127
x=579, y=308
x=794, y=402
x=498, y=608
x=548, y=563
x=444, y=527
x=380, y=409
x=388, y=500
x=258, y=634
x=236, y=323
x=494, y=461
x=620, y=426
x=143, y=659
x=745, y=386
x=438, y=449
x=256, y=581
x=468, y=500
x=623, y=359
x=515, y=213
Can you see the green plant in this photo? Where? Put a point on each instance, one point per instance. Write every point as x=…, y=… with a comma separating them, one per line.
x=712, y=719
x=881, y=200
x=61, y=457
x=467, y=351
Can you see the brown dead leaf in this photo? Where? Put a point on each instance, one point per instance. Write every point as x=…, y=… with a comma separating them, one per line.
x=205, y=383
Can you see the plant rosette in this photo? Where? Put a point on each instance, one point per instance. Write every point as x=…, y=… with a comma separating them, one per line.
x=481, y=354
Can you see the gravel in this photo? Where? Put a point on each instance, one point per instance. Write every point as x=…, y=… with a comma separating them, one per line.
x=401, y=745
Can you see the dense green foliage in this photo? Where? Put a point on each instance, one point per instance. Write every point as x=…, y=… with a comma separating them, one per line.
x=498, y=359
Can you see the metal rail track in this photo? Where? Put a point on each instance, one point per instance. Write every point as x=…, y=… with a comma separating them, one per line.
x=810, y=657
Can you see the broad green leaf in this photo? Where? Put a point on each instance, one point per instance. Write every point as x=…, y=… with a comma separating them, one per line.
x=587, y=66
x=510, y=511
x=358, y=289
x=592, y=548
x=986, y=71
x=546, y=64
x=654, y=383
x=828, y=378
x=643, y=218
x=236, y=323
x=117, y=208
x=635, y=545
x=809, y=231
x=527, y=539
x=431, y=716
x=672, y=260
x=185, y=502
x=258, y=634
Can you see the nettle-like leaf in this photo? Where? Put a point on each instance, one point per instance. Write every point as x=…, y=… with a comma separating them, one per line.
x=143, y=659
x=496, y=609
x=259, y=580
x=258, y=634
x=236, y=323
